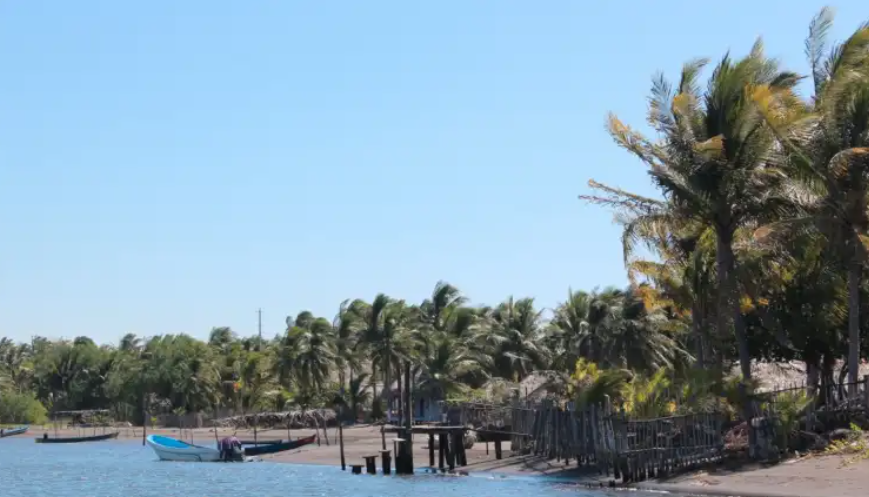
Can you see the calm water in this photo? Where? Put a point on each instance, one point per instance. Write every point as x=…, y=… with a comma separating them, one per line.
x=127, y=469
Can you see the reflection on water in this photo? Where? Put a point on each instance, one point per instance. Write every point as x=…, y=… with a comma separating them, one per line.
x=108, y=469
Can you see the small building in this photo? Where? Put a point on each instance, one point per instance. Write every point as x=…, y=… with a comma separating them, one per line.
x=426, y=407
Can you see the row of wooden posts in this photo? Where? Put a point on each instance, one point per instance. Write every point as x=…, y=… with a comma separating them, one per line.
x=627, y=449
x=451, y=452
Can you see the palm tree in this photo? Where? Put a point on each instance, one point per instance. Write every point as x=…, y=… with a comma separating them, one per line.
x=826, y=146
x=518, y=338
x=445, y=299
x=711, y=162
x=568, y=326
x=639, y=342
x=447, y=364
x=317, y=354
x=346, y=328
x=372, y=316
x=129, y=343
x=355, y=395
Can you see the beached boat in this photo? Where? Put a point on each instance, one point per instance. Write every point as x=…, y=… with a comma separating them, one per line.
x=278, y=447
x=170, y=449
x=260, y=442
x=74, y=440
x=8, y=432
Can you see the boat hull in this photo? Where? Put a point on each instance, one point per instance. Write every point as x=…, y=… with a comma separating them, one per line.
x=260, y=442
x=279, y=447
x=170, y=449
x=75, y=440
x=11, y=432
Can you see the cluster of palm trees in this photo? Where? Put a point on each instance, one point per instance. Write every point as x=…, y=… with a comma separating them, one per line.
x=451, y=350
x=759, y=244
x=761, y=231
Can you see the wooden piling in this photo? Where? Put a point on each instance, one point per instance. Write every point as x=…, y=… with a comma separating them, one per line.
x=386, y=461
x=431, y=462
x=498, y=449
x=448, y=452
x=341, y=442
x=371, y=465
x=442, y=443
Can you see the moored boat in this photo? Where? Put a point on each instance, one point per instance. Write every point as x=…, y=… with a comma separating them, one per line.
x=170, y=449
x=279, y=447
x=8, y=432
x=260, y=442
x=45, y=439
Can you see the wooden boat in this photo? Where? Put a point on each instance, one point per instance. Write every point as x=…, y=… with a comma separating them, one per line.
x=261, y=442
x=8, y=432
x=75, y=440
x=278, y=447
x=170, y=449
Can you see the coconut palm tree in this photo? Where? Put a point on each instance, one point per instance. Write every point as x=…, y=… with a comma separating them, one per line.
x=372, y=317
x=435, y=312
x=826, y=147
x=711, y=159
x=317, y=354
x=516, y=332
x=446, y=365
x=638, y=340
x=346, y=328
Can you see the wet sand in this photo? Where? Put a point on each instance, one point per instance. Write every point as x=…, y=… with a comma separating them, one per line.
x=818, y=476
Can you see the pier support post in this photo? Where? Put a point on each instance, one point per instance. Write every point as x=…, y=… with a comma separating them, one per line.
x=371, y=465
x=498, y=454
x=431, y=450
x=340, y=442
x=386, y=461
x=461, y=457
x=442, y=445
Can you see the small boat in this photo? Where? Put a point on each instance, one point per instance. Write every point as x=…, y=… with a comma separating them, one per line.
x=170, y=449
x=261, y=442
x=74, y=440
x=8, y=432
x=279, y=447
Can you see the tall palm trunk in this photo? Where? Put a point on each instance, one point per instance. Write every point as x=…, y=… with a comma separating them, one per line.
x=728, y=299
x=387, y=386
x=400, y=396
x=697, y=331
x=373, y=378
x=854, y=274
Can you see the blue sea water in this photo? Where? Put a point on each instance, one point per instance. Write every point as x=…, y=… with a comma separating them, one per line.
x=126, y=469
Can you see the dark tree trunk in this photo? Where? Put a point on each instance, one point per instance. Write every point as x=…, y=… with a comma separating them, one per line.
x=728, y=300
x=400, y=397
x=854, y=274
x=697, y=331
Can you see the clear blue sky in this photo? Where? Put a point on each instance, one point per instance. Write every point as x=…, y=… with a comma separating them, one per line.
x=170, y=166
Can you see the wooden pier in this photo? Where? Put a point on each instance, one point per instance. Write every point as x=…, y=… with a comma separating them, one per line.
x=451, y=446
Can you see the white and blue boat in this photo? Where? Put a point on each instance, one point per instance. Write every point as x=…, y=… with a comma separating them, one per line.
x=8, y=432
x=170, y=449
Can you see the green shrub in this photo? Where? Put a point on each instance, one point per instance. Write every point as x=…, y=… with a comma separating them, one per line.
x=21, y=408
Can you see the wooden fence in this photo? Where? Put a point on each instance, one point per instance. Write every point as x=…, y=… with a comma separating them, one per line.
x=616, y=444
x=819, y=408
x=632, y=449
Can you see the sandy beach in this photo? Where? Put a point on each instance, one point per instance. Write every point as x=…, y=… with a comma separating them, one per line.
x=814, y=476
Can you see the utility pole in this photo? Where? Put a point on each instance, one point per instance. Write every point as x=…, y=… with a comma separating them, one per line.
x=259, y=327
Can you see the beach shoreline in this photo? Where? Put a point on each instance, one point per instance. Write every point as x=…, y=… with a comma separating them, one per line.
x=814, y=476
